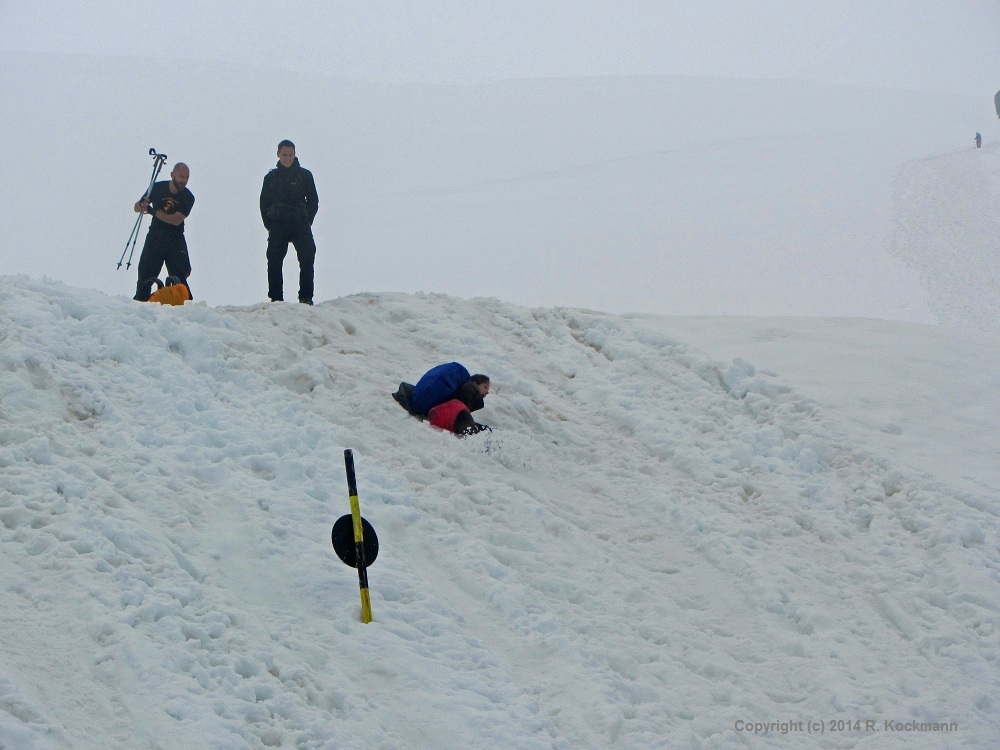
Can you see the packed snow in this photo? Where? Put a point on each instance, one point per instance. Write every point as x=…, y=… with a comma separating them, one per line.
x=654, y=547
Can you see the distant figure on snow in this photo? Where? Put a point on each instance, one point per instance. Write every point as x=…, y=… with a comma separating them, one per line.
x=979, y=140
x=446, y=396
x=169, y=203
x=288, y=205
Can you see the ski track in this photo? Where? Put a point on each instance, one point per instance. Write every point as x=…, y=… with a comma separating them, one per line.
x=650, y=546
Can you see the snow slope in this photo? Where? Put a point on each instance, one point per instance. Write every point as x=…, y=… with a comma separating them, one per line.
x=946, y=210
x=656, y=547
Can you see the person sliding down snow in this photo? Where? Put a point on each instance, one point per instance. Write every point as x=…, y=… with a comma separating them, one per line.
x=443, y=384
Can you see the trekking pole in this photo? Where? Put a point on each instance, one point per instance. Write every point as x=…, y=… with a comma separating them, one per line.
x=158, y=161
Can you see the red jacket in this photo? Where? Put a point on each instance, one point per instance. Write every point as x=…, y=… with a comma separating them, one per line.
x=444, y=415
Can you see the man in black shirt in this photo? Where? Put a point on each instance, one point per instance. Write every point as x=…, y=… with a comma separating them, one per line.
x=170, y=203
x=288, y=205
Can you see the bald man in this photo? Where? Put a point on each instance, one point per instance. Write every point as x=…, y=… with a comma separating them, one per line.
x=169, y=203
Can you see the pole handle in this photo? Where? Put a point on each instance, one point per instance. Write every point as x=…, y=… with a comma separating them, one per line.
x=352, y=481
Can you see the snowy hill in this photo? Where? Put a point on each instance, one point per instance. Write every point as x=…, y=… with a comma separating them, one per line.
x=657, y=547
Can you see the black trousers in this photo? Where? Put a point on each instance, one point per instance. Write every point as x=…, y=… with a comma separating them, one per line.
x=160, y=248
x=302, y=240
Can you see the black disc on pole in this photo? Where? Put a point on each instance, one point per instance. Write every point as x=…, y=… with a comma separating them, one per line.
x=343, y=541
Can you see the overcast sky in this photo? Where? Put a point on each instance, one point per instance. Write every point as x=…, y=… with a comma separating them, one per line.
x=942, y=45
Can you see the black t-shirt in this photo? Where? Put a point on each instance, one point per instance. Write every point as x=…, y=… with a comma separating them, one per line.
x=161, y=199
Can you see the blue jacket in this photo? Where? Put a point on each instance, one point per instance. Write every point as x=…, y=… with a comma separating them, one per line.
x=437, y=386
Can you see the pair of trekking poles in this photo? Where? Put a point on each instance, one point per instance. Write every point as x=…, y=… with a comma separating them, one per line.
x=158, y=162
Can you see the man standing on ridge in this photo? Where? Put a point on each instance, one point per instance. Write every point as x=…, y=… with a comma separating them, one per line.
x=170, y=203
x=288, y=205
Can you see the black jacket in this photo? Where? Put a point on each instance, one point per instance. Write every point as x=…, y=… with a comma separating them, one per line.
x=288, y=196
x=469, y=394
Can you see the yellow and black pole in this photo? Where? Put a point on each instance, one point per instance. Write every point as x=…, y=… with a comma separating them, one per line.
x=359, y=537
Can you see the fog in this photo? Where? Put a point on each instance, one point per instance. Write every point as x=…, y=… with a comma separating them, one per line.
x=624, y=194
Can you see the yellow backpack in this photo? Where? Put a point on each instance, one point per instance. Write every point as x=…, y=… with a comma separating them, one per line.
x=175, y=292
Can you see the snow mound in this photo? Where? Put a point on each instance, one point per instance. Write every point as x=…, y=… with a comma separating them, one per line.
x=654, y=549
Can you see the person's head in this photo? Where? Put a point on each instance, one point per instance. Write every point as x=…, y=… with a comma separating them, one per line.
x=180, y=175
x=286, y=153
x=482, y=382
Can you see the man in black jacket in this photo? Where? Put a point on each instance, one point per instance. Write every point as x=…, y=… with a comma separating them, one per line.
x=288, y=205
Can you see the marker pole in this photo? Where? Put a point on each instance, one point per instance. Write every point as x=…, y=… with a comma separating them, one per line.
x=359, y=538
